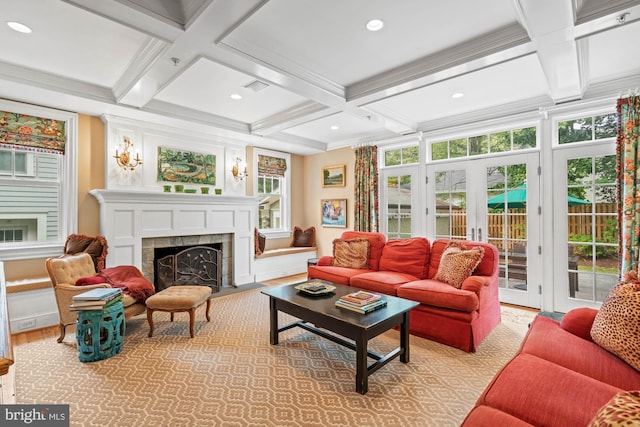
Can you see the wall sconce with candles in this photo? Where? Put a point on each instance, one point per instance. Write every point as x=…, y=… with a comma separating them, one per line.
x=239, y=169
x=124, y=159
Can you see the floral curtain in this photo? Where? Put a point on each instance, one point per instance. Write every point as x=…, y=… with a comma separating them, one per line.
x=271, y=166
x=628, y=182
x=366, y=189
x=32, y=133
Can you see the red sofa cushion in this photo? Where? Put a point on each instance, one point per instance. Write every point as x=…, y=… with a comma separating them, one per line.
x=542, y=393
x=410, y=256
x=488, y=416
x=376, y=243
x=439, y=294
x=548, y=340
x=488, y=265
x=385, y=282
x=340, y=275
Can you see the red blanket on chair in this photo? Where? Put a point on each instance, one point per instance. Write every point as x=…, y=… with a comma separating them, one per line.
x=130, y=280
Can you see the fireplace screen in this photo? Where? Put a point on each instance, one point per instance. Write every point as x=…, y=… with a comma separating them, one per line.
x=196, y=265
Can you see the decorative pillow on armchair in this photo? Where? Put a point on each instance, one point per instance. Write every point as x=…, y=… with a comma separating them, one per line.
x=457, y=263
x=616, y=327
x=352, y=253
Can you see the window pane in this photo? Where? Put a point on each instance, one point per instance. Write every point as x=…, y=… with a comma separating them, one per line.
x=458, y=147
x=440, y=150
x=605, y=126
x=575, y=130
x=20, y=163
x=524, y=138
x=276, y=186
x=267, y=185
x=260, y=184
x=500, y=142
x=478, y=145
x=5, y=161
x=410, y=155
x=269, y=214
x=392, y=157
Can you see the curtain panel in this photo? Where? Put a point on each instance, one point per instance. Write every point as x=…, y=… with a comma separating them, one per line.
x=32, y=133
x=271, y=166
x=366, y=189
x=628, y=182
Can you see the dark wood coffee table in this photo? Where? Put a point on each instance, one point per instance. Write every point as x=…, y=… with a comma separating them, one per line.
x=317, y=312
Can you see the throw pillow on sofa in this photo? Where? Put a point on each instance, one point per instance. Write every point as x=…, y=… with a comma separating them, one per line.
x=621, y=410
x=353, y=253
x=616, y=327
x=457, y=263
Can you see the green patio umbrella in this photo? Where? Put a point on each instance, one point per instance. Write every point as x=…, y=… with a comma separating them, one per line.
x=517, y=199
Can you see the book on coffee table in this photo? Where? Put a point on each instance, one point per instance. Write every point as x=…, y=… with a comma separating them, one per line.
x=362, y=309
x=361, y=298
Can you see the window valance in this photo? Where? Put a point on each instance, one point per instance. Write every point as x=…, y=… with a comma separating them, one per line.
x=32, y=133
x=271, y=166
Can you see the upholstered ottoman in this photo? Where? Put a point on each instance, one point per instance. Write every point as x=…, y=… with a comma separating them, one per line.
x=179, y=298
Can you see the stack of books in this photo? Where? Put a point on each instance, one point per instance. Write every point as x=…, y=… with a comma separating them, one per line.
x=361, y=302
x=95, y=299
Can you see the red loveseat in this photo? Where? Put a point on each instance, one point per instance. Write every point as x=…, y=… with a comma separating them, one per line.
x=461, y=318
x=559, y=377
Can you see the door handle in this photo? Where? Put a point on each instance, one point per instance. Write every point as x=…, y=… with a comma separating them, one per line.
x=473, y=233
x=479, y=234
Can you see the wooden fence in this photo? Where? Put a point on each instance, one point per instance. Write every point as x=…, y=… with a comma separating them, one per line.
x=581, y=221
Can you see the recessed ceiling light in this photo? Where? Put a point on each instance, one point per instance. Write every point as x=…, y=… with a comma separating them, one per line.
x=235, y=96
x=334, y=127
x=375, y=25
x=16, y=26
x=457, y=95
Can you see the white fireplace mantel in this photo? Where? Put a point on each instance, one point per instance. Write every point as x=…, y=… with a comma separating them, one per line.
x=127, y=217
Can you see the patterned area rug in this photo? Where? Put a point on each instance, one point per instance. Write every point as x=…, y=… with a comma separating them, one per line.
x=229, y=375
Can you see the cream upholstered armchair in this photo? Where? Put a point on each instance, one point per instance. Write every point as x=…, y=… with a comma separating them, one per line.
x=64, y=272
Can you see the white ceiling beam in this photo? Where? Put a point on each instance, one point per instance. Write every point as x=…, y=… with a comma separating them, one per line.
x=550, y=26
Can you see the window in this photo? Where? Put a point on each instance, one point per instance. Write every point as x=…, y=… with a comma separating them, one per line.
x=590, y=128
x=478, y=145
x=37, y=202
x=402, y=156
x=273, y=189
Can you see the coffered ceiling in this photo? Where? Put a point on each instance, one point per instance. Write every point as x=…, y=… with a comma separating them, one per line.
x=310, y=76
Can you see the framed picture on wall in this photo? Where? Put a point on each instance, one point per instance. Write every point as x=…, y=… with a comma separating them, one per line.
x=334, y=213
x=333, y=176
x=186, y=166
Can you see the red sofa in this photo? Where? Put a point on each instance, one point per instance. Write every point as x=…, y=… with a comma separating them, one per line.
x=559, y=377
x=461, y=318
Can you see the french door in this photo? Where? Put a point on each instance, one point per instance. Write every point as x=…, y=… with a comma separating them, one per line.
x=399, y=216
x=585, y=226
x=494, y=200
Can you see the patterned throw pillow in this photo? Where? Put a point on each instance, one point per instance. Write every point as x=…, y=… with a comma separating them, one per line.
x=621, y=410
x=457, y=263
x=616, y=327
x=353, y=253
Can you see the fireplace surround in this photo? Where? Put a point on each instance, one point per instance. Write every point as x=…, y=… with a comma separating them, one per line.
x=133, y=221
